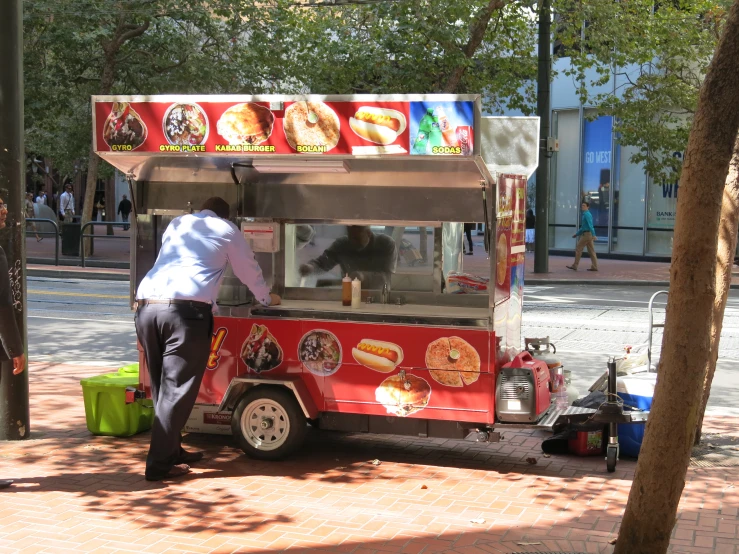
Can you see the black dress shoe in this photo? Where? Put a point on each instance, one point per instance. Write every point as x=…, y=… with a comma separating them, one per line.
x=189, y=457
x=178, y=470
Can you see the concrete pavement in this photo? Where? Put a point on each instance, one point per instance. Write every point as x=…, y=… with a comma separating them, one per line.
x=75, y=492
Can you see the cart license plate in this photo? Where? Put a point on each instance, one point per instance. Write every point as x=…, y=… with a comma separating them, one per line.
x=514, y=405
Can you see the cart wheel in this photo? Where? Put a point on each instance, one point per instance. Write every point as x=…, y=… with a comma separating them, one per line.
x=611, y=458
x=268, y=423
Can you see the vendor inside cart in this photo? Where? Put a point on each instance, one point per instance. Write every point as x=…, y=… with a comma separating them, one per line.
x=361, y=254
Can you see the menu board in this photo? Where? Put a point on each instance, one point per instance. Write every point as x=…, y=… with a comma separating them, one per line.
x=509, y=240
x=313, y=127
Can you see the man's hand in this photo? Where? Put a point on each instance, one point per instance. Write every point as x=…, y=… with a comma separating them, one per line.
x=19, y=364
x=574, y=236
x=274, y=299
x=305, y=269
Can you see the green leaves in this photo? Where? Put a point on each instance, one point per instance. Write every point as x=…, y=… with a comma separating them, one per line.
x=659, y=53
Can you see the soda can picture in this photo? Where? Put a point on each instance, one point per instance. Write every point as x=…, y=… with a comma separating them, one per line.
x=464, y=137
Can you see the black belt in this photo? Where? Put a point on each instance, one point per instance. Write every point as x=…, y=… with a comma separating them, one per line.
x=174, y=302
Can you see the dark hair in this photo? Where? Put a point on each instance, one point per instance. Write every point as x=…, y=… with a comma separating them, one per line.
x=586, y=203
x=217, y=205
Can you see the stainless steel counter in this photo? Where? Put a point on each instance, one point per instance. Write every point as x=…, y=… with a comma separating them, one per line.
x=407, y=314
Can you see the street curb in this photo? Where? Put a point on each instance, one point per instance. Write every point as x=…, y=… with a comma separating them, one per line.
x=639, y=283
x=109, y=276
x=63, y=274
x=666, y=284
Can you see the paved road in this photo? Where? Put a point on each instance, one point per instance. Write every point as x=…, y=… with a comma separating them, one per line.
x=85, y=321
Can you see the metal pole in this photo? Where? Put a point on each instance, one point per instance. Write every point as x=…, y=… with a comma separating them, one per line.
x=543, y=101
x=14, y=412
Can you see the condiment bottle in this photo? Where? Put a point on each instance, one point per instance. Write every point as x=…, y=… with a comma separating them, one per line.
x=346, y=291
x=356, y=293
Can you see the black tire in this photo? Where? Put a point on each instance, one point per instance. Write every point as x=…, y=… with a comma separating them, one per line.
x=273, y=406
x=611, y=458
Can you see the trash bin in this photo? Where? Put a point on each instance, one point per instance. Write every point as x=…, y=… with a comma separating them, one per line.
x=71, y=238
x=132, y=370
x=106, y=410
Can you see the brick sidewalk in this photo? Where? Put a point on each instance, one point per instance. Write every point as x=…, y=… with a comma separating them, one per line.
x=78, y=493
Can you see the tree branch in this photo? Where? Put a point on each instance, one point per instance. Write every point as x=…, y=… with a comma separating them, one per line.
x=477, y=34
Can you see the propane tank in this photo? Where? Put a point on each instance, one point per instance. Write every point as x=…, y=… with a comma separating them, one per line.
x=542, y=349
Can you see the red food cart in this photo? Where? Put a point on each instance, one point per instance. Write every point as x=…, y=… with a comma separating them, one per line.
x=434, y=347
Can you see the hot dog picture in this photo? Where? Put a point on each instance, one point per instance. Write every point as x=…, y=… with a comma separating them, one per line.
x=378, y=125
x=378, y=355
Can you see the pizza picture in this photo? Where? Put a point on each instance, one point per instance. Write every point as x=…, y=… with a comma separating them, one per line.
x=453, y=362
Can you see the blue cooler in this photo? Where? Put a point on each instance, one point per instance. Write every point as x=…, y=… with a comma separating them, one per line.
x=637, y=391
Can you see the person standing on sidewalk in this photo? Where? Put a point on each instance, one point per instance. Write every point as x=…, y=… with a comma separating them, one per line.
x=66, y=204
x=41, y=198
x=174, y=321
x=124, y=208
x=31, y=214
x=11, y=346
x=586, y=240
x=530, y=230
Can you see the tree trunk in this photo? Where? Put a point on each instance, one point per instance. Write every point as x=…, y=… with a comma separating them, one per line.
x=93, y=165
x=123, y=33
x=727, y=239
x=663, y=462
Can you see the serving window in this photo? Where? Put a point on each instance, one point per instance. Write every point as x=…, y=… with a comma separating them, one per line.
x=320, y=255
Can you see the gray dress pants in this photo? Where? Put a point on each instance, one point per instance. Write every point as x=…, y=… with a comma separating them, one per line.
x=176, y=341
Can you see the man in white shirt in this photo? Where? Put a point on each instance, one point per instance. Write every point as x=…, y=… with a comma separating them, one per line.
x=41, y=198
x=66, y=204
x=174, y=321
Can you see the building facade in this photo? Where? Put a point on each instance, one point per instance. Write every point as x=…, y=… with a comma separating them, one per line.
x=632, y=214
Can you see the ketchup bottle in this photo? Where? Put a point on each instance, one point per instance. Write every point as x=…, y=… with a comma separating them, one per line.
x=346, y=291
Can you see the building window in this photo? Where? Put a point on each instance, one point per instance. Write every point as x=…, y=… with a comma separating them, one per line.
x=627, y=231
x=596, y=173
x=661, y=210
x=564, y=191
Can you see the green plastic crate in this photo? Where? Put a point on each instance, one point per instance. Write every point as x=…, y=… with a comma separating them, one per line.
x=106, y=410
x=130, y=369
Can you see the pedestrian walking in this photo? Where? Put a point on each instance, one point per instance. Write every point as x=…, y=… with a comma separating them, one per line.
x=586, y=240
x=42, y=199
x=31, y=214
x=98, y=211
x=530, y=230
x=11, y=346
x=66, y=204
x=124, y=208
x=468, y=228
x=174, y=321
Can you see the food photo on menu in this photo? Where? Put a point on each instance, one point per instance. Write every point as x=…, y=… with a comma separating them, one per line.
x=441, y=128
x=320, y=352
x=378, y=355
x=453, y=362
x=311, y=127
x=261, y=351
x=381, y=126
x=185, y=124
x=246, y=124
x=124, y=129
x=403, y=394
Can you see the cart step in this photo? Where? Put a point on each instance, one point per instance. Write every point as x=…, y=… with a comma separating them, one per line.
x=571, y=414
